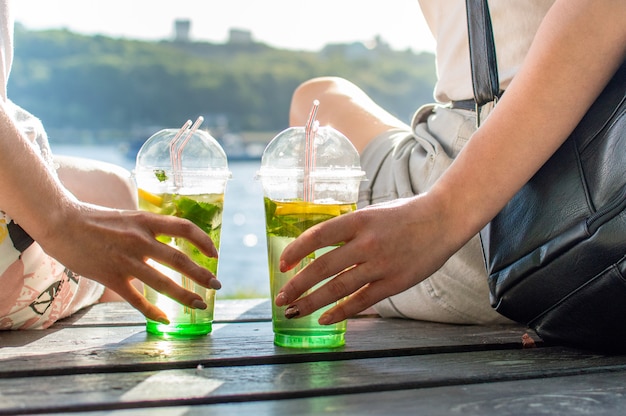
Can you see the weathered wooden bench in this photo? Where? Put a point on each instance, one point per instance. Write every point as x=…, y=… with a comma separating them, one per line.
x=102, y=361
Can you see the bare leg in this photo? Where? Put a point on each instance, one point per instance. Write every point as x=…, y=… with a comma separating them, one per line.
x=102, y=184
x=97, y=182
x=343, y=106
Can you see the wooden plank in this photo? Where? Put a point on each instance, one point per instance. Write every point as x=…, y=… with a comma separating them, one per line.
x=99, y=349
x=578, y=395
x=197, y=386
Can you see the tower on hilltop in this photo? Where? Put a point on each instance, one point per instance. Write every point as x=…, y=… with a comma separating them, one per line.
x=182, y=28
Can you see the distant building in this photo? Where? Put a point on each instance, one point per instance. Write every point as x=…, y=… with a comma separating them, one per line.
x=380, y=44
x=182, y=28
x=240, y=37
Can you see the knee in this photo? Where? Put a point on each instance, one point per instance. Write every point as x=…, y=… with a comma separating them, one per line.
x=317, y=88
x=97, y=182
x=121, y=190
x=319, y=84
x=327, y=90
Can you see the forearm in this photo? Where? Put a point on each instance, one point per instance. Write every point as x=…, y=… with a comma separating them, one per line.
x=31, y=196
x=576, y=50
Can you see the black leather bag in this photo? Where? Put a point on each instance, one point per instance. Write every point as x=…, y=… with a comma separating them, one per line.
x=556, y=253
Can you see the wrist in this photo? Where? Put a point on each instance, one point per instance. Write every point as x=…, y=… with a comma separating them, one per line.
x=458, y=215
x=52, y=220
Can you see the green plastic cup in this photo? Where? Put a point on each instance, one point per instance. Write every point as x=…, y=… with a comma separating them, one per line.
x=295, y=199
x=192, y=188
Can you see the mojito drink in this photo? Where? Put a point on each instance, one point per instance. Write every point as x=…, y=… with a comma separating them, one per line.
x=204, y=210
x=284, y=222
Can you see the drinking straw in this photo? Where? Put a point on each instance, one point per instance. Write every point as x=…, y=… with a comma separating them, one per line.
x=173, y=142
x=177, y=144
x=309, y=152
x=179, y=152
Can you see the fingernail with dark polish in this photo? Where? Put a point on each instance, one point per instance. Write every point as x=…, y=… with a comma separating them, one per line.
x=198, y=304
x=215, y=284
x=292, y=312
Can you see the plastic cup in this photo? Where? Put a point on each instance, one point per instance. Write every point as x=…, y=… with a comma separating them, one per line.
x=296, y=199
x=193, y=190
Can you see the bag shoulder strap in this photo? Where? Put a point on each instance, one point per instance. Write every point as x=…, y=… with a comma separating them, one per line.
x=482, y=49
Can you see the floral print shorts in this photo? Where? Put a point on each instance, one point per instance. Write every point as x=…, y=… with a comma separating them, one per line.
x=36, y=290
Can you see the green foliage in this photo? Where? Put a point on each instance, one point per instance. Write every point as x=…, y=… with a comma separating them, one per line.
x=96, y=83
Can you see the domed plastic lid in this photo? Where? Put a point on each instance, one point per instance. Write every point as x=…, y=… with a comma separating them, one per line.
x=321, y=168
x=171, y=160
x=331, y=156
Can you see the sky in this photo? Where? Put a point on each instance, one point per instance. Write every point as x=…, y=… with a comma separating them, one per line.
x=289, y=24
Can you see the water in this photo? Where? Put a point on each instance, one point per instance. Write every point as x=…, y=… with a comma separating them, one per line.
x=242, y=266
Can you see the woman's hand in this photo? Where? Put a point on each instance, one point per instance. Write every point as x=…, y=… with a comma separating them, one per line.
x=113, y=246
x=381, y=256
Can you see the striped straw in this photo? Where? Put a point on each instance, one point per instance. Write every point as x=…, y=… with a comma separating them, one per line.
x=173, y=143
x=309, y=153
x=177, y=145
x=179, y=151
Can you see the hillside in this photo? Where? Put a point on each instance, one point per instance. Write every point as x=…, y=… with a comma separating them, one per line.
x=101, y=88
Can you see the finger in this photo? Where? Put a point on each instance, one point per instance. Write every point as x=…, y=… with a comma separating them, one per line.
x=139, y=302
x=163, y=284
x=330, y=264
x=360, y=300
x=328, y=233
x=179, y=261
x=347, y=288
x=182, y=228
